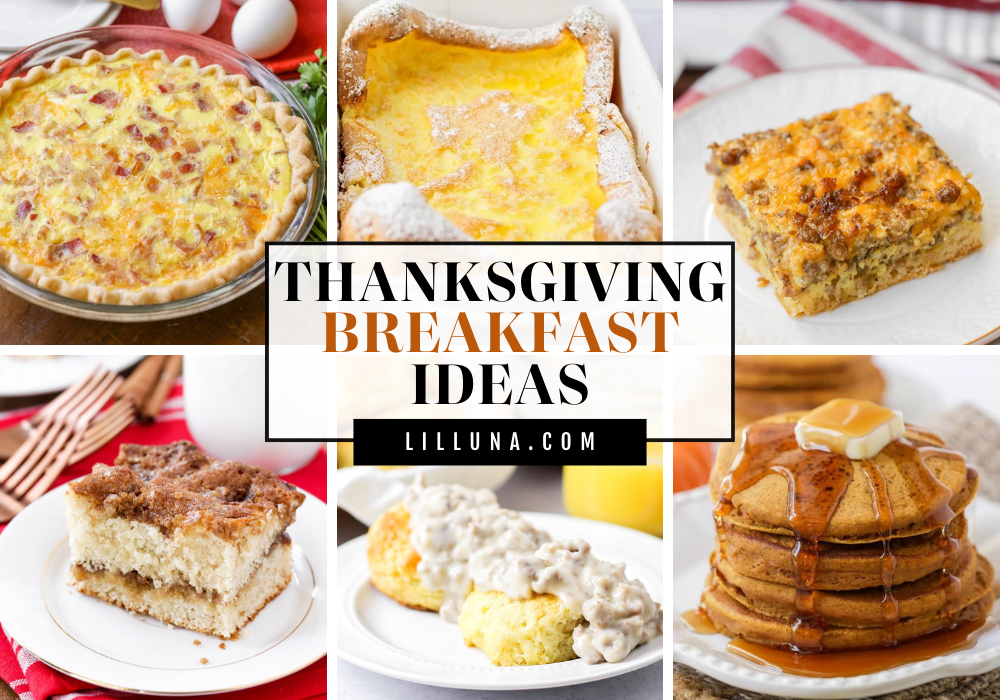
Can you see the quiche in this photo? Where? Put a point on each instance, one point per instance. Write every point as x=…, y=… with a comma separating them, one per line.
x=132, y=179
x=837, y=207
x=501, y=134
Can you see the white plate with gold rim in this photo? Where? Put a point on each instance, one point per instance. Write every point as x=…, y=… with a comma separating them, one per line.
x=104, y=645
x=380, y=635
x=694, y=531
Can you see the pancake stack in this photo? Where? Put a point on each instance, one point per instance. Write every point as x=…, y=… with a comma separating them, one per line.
x=770, y=384
x=865, y=553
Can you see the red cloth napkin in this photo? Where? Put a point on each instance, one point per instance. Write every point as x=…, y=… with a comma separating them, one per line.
x=813, y=33
x=33, y=680
x=310, y=35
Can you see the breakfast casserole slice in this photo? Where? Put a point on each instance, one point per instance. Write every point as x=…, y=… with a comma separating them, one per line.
x=835, y=208
x=456, y=132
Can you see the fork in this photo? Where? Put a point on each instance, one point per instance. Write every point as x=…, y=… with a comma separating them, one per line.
x=33, y=468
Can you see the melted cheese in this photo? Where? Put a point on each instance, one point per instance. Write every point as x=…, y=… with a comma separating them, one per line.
x=136, y=173
x=827, y=183
x=499, y=142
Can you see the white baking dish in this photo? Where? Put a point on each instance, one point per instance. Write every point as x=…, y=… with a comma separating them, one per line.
x=637, y=91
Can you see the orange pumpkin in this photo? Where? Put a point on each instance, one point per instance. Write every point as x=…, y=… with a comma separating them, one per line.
x=692, y=464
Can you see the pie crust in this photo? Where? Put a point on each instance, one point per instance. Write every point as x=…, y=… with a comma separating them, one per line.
x=300, y=164
x=403, y=212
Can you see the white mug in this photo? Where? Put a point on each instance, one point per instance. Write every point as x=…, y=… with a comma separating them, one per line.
x=224, y=407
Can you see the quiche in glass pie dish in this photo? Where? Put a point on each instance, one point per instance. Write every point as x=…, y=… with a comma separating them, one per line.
x=130, y=179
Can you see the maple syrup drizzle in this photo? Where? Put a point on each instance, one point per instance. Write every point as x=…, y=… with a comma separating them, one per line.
x=841, y=664
x=699, y=621
x=926, y=488
x=817, y=481
x=884, y=520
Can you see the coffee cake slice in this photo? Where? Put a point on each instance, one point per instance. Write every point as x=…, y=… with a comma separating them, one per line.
x=835, y=208
x=168, y=531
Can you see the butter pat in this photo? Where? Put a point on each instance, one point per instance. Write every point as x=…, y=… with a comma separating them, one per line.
x=856, y=429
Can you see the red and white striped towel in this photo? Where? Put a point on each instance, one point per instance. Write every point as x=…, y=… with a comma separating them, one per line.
x=33, y=680
x=814, y=33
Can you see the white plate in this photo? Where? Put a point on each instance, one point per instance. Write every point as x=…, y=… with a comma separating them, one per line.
x=958, y=304
x=378, y=634
x=102, y=644
x=707, y=653
x=367, y=492
x=26, y=22
x=23, y=375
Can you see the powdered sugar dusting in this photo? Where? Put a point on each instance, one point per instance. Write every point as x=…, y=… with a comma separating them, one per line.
x=494, y=121
x=390, y=19
x=491, y=122
x=397, y=212
x=617, y=169
x=621, y=220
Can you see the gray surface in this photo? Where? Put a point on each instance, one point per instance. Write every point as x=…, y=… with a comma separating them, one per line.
x=355, y=683
x=530, y=488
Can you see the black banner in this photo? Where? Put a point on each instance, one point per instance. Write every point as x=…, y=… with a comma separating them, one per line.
x=511, y=441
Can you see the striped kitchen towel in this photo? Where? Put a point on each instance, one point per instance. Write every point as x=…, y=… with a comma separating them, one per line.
x=815, y=33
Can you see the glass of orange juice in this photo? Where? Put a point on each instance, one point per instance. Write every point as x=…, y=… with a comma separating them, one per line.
x=626, y=495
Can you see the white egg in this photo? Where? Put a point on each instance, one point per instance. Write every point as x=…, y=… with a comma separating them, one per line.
x=262, y=28
x=194, y=16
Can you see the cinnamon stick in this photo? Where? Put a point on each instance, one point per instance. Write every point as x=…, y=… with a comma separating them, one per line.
x=154, y=401
x=140, y=383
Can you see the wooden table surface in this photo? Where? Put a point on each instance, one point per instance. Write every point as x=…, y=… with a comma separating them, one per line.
x=685, y=81
x=240, y=322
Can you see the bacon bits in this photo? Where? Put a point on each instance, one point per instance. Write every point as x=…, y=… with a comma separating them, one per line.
x=23, y=127
x=948, y=193
x=23, y=209
x=733, y=156
x=122, y=172
x=241, y=108
x=154, y=142
x=145, y=157
x=133, y=131
x=200, y=236
x=108, y=98
x=165, y=87
x=185, y=168
x=190, y=146
x=66, y=250
x=203, y=106
x=152, y=184
x=76, y=90
x=256, y=127
x=891, y=188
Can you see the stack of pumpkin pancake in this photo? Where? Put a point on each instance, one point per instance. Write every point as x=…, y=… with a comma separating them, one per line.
x=816, y=551
x=771, y=384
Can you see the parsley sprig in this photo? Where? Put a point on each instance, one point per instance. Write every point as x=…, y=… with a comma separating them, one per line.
x=311, y=91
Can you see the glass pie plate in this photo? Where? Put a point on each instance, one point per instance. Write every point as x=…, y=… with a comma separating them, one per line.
x=206, y=51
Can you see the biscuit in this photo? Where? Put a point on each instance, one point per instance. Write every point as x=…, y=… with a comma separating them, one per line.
x=393, y=561
x=529, y=632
